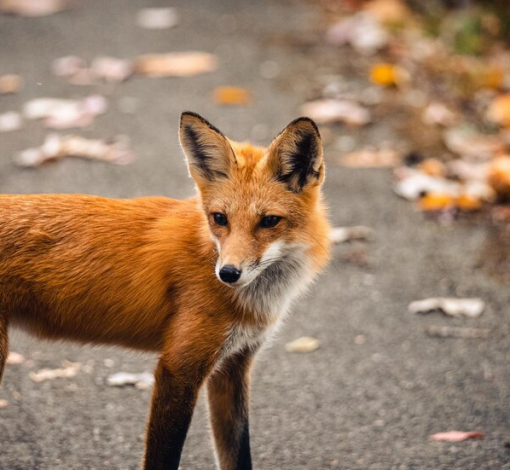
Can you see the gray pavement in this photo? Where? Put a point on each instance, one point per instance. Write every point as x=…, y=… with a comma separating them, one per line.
x=346, y=405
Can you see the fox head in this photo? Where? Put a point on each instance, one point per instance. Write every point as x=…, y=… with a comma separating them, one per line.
x=263, y=205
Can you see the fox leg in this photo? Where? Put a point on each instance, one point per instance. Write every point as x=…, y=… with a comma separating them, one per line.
x=4, y=343
x=228, y=394
x=179, y=375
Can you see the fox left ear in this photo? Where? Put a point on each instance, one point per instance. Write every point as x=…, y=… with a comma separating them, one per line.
x=296, y=155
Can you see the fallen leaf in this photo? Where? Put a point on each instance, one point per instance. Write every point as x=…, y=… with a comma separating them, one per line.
x=10, y=121
x=10, y=84
x=438, y=114
x=387, y=75
x=15, y=358
x=55, y=147
x=499, y=176
x=468, y=203
x=471, y=144
x=454, y=307
x=33, y=8
x=361, y=31
x=303, y=345
x=176, y=64
x=433, y=167
x=458, y=332
x=142, y=381
x=111, y=69
x=499, y=110
x=344, y=234
x=69, y=370
x=232, y=95
x=331, y=110
x=441, y=202
x=456, y=436
x=479, y=190
x=413, y=184
x=157, y=18
x=436, y=202
x=3, y=403
x=64, y=114
x=465, y=170
x=371, y=158
x=388, y=11
x=68, y=66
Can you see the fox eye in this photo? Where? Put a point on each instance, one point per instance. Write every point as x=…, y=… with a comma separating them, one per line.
x=270, y=221
x=220, y=219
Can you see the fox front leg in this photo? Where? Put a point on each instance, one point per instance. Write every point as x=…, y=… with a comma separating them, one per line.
x=4, y=343
x=228, y=392
x=175, y=394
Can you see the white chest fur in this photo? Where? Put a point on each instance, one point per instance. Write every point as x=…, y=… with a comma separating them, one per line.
x=269, y=298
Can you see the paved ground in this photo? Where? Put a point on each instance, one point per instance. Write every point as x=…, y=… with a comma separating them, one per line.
x=347, y=405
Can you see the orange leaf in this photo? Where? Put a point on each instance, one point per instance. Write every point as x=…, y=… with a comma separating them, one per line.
x=232, y=95
x=436, y=202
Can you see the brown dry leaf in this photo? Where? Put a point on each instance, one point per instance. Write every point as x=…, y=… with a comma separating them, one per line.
x=33, y=8
x=499, y=110
x=3, y=403
x=499, y=176
x=176, y=64
x=142, y=381
x=433, y=167
x=232, y=95
x=10, y=84
x=111, y=69
x=64, y=114
x=371, y=158
x=437, y=113
x=15, y=358
x=456, y=436
x=332, y=110
x=68, y=370
x=450, y=306
x=304, y=344
x=56, y=146
x=345, y=234
x=388, y=11
x=471, y=144
x=362, y=31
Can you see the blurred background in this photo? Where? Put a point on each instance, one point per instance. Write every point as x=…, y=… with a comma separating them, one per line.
x=413, y=102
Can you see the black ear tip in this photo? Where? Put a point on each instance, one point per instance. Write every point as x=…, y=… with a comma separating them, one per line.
x=306, y=120
x=191, y=114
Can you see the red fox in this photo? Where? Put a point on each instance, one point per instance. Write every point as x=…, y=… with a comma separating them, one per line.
x=204, y=282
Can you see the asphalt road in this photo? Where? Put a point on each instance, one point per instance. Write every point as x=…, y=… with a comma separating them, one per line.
x=377, y=387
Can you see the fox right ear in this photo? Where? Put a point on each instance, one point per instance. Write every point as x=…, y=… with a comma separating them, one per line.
x=207, y=150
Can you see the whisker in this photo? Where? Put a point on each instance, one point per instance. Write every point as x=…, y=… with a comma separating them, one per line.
x=326, y=251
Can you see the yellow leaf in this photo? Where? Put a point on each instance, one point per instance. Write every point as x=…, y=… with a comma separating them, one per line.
x=232, y=95
x=499, y=110
x=385, y=74
x=436, y=202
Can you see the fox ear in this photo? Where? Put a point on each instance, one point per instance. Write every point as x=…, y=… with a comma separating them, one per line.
x=295, y=155
x=207, y=150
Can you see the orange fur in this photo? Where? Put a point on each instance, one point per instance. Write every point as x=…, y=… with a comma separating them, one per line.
x=140, y=273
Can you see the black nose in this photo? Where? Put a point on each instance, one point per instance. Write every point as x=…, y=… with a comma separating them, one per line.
x=229, y=274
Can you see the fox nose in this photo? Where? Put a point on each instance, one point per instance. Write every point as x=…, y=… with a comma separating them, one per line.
x=229, y=274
